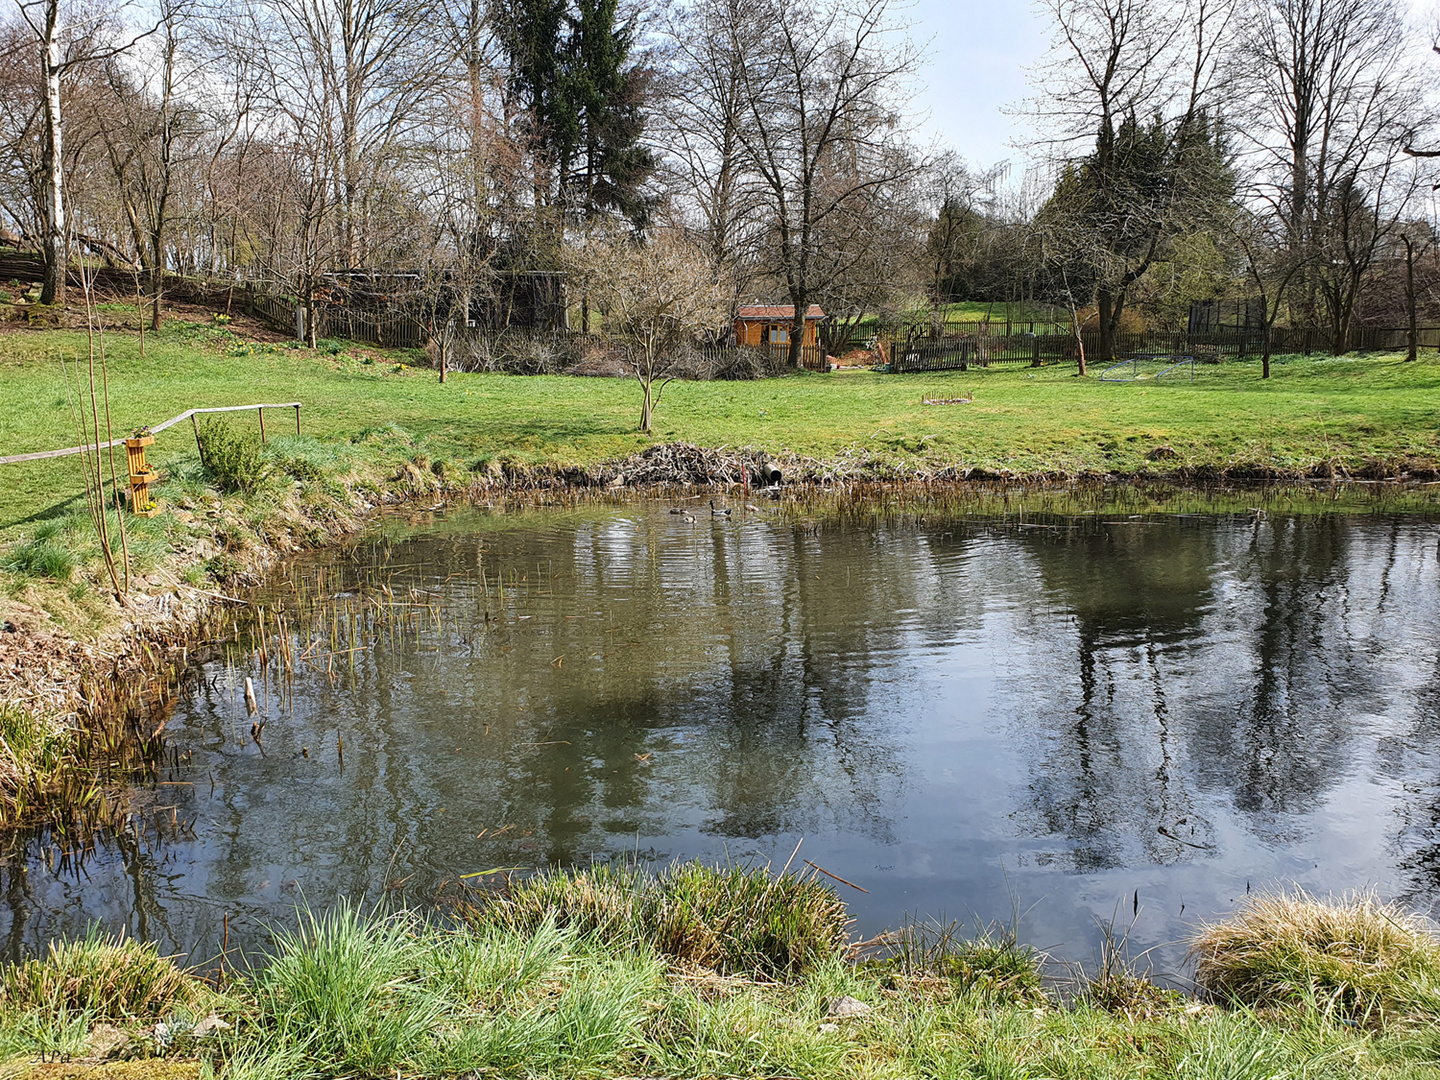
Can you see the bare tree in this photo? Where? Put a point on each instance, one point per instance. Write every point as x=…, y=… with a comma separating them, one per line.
x=345, y=77
x=704, y=110
x=822, y=88
x=654, y=296
x=52, y=31
x=148, y=135
x=1332, y=100
x=1128, y=86
x=1271, y=267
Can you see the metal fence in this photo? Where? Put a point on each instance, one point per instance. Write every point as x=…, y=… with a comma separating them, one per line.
x=973, y=349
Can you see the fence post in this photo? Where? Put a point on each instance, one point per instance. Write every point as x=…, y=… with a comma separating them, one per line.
x=297, y=419
x=1035, y=341
x=261, y=411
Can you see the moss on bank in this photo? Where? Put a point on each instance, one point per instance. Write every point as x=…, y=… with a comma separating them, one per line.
x=372, y=995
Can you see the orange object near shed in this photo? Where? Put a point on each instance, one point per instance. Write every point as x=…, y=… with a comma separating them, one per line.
x=771, y=325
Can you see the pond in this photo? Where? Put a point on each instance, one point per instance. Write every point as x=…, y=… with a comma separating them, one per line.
x=974, y=716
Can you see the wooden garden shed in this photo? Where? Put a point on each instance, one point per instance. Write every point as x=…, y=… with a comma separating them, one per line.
x=770, y=325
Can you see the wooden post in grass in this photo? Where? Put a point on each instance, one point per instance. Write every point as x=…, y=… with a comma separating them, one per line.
x=261, y=411
x=297, y=418
x=198, y=448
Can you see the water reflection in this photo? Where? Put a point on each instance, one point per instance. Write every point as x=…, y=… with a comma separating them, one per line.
x=956, y=715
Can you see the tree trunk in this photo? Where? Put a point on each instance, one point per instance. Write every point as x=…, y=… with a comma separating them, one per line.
x=797, y=336
x=1105, y=306
x=157, y=288
x=52, y=290
x=1410, y=298
x=646, y=407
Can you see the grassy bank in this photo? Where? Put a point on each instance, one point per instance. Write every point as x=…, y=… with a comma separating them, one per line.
x=605, y=975
x=1366, y=415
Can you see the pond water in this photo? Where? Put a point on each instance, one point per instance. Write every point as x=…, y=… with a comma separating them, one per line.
x=970, y=717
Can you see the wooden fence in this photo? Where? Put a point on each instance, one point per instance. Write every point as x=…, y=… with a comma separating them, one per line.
x=390, y=331
x=285, y=316
x=975, y=349
x=188, y=414
x=277, y=314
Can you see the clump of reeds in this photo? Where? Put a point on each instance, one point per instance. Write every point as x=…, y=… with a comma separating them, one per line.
x=730, y=920
x=993, y=963
x=1363, y=959
x=105, y=976
x=1120, y=982
x=602, y=901
x=737, y=919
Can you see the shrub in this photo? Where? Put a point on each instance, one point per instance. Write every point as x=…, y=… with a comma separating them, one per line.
x=1359, y=957
x=235, y=460
x=105, y=976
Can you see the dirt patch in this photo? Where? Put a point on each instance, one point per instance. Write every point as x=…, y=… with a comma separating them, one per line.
x=102, y=1070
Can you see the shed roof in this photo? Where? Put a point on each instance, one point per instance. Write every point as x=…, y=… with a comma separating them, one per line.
x=786, y=311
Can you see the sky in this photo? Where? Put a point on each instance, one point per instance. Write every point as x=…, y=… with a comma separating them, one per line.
x=977, y=53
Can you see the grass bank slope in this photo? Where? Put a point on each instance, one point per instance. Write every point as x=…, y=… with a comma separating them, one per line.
x=529, y=985
x=1365, y=416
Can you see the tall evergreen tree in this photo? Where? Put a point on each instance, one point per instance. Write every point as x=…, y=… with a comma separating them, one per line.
x=532, y=33
x=609, y=166
x=572, y=69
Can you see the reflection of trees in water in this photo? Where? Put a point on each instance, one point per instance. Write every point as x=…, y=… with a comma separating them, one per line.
x=736, y=661
x=1278, y=739
x=1226, y=661
x=1104, y=770
x=1410, y=756
x=743, y=679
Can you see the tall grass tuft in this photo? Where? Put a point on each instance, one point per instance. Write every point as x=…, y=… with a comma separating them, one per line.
x=994, y=963
x=740, y=920
x=42, y=556
x=601, y=901
x=105, y=976
x=488, y=966
x=731, y=920
x=1364, y=960
x=346, y=991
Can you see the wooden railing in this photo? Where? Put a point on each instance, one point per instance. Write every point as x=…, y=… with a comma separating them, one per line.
x=188, y=414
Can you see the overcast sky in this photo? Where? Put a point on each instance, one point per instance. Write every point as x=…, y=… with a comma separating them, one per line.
x=977, y=53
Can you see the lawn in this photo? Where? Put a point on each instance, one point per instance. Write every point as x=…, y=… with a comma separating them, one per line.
x=1352, y=413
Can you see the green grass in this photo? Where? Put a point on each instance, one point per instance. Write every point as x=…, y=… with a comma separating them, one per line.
x=99, y=976
x=726, y=920
x=1351, y=414
x=376, y=994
